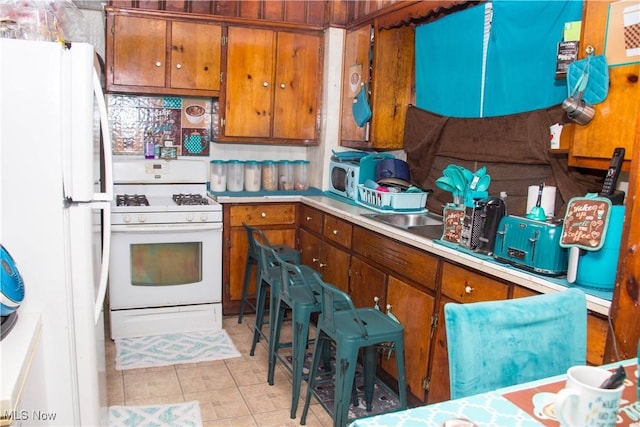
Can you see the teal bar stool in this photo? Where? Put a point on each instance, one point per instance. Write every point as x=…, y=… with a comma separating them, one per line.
x=299, y=292
x=270, y=281
x=352, y=329
x=287, y=253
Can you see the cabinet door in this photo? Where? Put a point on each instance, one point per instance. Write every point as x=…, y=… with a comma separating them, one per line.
x=355, y=72
x=439, y=389
x=277, y=221
x=366, y=283
x=414, y=309
x=250, y=68
x=139, y=51
x=195, y=56
x=334, y=266
x=310, y=249
x=614, y=123
x=298, y=78
x=392, y=85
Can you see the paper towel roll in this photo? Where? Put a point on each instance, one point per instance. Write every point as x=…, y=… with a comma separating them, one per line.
x=548, y=199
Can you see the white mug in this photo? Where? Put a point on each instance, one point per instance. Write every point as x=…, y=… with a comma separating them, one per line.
x=583, y=403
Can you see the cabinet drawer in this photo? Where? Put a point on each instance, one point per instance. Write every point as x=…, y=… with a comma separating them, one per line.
x=464, y=285
x=266, y=214
x=402, y=260
x=337, y=230
x=311, y=219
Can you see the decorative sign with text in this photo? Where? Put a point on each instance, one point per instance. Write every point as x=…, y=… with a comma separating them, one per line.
x=453, y=218
x=585, y=223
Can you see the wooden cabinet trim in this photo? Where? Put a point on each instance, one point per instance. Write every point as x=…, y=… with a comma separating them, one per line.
x=416, y=265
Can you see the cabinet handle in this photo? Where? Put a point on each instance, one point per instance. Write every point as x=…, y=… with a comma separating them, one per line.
x=322, y=265
x=315, y=259
x=265, y=84
x=282, y=86
x=309, y=218
x=263, y=214
x=158, y=64
x=178, y=66
x=335, y=232
x=468, y=288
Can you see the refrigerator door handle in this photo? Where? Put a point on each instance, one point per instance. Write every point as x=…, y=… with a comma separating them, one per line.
x=106, y=251
x=106, y=140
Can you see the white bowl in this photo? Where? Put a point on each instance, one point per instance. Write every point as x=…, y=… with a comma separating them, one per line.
x=195, y=113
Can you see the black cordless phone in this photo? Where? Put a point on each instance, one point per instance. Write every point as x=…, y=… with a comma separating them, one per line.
x=613, y=172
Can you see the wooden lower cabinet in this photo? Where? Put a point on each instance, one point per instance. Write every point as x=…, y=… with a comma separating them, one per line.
x=279, y=223
x=410, y=276
x=325, y=243
x=366, y=283
x=414, y=308
x=459, y=285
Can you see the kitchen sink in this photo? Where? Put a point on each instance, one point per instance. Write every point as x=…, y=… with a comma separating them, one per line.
x=423, y=224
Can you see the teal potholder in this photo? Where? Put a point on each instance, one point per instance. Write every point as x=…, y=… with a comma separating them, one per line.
x=590, y=76
x=361, y=110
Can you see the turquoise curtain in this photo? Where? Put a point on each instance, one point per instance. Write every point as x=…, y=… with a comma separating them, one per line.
x=449, y=64
x=520, y=62
x=521, y=56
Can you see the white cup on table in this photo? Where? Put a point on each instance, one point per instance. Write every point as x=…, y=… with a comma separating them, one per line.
x=583, y=403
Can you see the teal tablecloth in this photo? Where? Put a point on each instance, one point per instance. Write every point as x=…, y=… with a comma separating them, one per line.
x=486, y=409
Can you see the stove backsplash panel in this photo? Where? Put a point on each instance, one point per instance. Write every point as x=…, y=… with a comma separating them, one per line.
x=181, y=123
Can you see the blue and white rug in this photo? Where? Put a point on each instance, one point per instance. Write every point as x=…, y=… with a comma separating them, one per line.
x=176, y=414
x=165, y=350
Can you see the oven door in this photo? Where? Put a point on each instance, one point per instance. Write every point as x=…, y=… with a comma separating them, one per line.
x=163, y=265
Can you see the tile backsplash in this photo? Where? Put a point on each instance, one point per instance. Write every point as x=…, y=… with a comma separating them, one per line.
x=183, y=123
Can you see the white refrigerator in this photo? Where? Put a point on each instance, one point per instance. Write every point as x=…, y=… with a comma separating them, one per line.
x=55, y=192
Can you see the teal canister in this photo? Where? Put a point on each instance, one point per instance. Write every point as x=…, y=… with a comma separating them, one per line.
x=285, y=175
x=269, y=175
x=252, y=170
x=301, y=175
x=218, y=178
x=597, y=269
x=235, y=175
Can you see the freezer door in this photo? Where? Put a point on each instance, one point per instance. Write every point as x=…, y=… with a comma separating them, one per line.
x=86, y=138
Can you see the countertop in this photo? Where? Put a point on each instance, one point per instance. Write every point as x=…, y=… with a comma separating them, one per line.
x=597, y=301
x=16, y=351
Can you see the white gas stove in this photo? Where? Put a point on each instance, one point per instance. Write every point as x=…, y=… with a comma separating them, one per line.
x=165, y=270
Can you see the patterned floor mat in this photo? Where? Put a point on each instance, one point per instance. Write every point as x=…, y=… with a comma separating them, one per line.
x=164, y=350
x=178, y=414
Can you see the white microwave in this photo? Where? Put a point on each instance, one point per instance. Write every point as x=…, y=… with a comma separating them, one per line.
x=344, y=178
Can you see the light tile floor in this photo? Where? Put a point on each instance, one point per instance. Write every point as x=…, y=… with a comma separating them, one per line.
x=232, y=392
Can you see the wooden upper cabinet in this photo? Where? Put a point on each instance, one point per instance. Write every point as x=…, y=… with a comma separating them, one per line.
x=614, y=123
x=384, y=61
x=138, y=51
x=151, y=55
x=355, y=73
x=195, y=56
x=272, y=86
x=249, y=82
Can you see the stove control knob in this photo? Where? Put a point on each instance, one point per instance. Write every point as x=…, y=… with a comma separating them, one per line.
x=190, y=217
x=142, y=218
x=204, y=217
x=126, y=218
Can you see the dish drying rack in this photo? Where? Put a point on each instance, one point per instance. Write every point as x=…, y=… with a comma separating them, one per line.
x=388, y=202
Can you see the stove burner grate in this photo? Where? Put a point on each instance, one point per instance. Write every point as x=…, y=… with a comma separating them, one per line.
x=131, y=200
x=190, y=199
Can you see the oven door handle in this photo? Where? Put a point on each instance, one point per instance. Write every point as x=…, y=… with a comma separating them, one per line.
x=154, y=228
